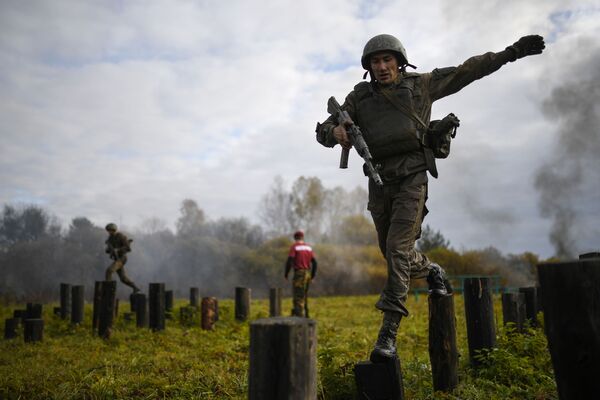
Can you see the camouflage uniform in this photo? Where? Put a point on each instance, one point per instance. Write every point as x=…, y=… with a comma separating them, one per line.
x=300, y=284
x=118, y=245
x=398, y=208
x=302, y=260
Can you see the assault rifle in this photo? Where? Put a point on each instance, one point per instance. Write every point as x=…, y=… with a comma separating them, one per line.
x=113, y=252
x=356, y=138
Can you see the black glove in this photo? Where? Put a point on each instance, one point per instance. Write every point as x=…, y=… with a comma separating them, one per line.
x=527, y=46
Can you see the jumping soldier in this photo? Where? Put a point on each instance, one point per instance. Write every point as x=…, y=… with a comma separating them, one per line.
x=117, y=246
x=393, y=111
x=302, y=258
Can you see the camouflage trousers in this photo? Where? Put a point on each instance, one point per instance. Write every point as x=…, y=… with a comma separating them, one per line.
x=300, y=285
x=398, y=210
x=118, y=266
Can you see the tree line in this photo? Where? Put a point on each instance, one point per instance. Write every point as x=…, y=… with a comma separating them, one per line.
x=37, y=252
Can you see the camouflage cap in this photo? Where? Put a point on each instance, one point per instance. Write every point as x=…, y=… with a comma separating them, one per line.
x=111, y=227
x=383, y=42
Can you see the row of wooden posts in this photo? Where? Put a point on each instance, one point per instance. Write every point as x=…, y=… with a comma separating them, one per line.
x=150, y=311
x=153, y=312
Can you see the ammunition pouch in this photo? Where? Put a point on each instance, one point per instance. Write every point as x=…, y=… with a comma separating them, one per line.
x=440, y=134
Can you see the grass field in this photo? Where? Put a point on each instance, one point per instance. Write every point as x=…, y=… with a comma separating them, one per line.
x=183, y=362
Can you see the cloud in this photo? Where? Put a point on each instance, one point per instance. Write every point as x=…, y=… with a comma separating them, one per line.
x=121, y=110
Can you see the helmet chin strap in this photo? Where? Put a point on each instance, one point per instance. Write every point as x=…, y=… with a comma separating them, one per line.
x=402, y=69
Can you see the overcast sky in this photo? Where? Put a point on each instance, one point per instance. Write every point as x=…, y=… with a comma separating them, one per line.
x=118, y=110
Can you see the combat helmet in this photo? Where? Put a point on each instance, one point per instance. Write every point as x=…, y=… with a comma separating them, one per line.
x=111, y=227
x=384, y=42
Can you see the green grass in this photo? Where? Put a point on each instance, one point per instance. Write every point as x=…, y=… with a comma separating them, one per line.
x=183, y=362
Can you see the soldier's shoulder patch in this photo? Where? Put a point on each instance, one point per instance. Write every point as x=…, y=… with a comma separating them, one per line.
x=442, y=72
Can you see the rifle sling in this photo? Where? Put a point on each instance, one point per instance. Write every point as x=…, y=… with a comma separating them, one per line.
x=402, y=108
x=427, y=152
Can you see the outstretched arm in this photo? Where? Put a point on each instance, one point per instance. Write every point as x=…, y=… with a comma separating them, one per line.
x=447, y=81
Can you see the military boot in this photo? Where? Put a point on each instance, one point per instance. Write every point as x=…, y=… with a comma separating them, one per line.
x=438, y=284
x=385, y=347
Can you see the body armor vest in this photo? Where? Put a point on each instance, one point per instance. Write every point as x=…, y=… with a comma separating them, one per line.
x=387, y=130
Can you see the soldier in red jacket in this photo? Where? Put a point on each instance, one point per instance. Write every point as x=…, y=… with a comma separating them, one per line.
x=302, y=258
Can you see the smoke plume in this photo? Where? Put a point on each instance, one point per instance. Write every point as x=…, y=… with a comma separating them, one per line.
x=567, y=181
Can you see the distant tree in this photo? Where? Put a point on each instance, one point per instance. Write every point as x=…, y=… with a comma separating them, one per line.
x=191, y=221
x=26, y=224
x=308, y=201
x=236, y=230
x=339, y=204
x=431, y=239
x=275, y=210
x=84, y=234
x=83, y=256
x=31, y=251
x=266, y=263
x=357, y=230
x=153, y=225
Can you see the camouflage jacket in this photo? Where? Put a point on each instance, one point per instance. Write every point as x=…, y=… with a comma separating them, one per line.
x=428, y=87
x=118, y=245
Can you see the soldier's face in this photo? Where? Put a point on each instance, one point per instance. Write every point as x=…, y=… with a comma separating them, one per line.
x=384, y=67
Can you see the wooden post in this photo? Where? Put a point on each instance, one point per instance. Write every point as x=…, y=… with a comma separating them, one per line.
x=209, y=312
x=116, y=308
x=274, y=302
x=443, y=352
x=34, y=311
x=570, y=297
x=65, y=300
x=513, y=309
x=242, y=303
x=168, y=301
x=479, y=313
x=283, y=359
x=141, y=307
x=168, y=304
x=97, y=304
x=77, y=304
x=194, y=296
x=157, y=306
x=132, y=302
x=531, y=304
x=540, y=306
x=107, y=309
x=10, y=328
x=34, y=330
x=379, y=380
